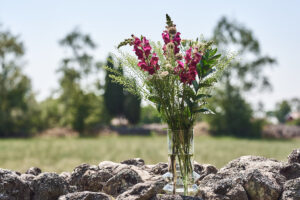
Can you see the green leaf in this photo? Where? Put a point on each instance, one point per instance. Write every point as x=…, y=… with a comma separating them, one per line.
x=215, y=57
x=154, y=99
x=200, y=96
x=213, y=52
x=195, y=85
x=204, y=110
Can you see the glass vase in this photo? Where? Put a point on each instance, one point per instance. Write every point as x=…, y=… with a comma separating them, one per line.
x=181, y=176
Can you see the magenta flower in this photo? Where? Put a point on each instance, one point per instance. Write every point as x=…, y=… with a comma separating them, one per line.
x=148, y=62
x=166, y=37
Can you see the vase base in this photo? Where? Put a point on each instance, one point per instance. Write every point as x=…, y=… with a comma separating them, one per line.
x=191, y=190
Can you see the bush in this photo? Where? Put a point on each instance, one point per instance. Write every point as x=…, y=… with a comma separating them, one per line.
x=149, y=115
x=233, y=116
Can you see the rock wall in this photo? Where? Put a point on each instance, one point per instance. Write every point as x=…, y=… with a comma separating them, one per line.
x=245, y=178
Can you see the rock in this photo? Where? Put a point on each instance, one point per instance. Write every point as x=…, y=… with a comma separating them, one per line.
x=214, y=187
x=27, y=177
x=94, y=180
x=252, y=176
x=291, y=190
x=86, y=196
x=204, y=170
x=290, y=171
x=294, y=157
x=48, y=186
x=173, y=197
x=89, y=178
x=262, y=186
x=12, y=187
x=121, y=182
x=135, y=161
x=34, y=171
x=110, y=166
x=78, y=173
x=66, y=176
x=143, y=191
x=159, y=168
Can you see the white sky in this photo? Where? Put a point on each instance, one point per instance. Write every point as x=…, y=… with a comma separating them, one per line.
x=41, y=24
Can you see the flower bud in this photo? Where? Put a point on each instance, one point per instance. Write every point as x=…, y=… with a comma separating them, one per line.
x=169, y=66
x=178, y=56
x=170, y=46
x=150, y=77
x=164, y=74
x=172, y=30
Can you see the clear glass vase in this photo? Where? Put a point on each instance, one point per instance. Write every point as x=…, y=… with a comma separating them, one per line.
x=181, y=176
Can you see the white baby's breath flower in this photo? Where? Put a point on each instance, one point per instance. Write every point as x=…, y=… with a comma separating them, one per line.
x=150, y=77
x=169, y=66
x=164, y=74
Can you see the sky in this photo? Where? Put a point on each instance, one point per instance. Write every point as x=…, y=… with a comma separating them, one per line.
x=41, y=24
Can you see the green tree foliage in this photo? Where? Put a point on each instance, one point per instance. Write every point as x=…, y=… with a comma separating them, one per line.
x=17, y=112
x=132, y=108
x=113, y=92
x=119, y=102
x=78, y=104
x=233, y=114
x=282, y=110
x=149, y=115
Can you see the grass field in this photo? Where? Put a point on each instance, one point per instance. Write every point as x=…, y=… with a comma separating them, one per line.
x=63, y=154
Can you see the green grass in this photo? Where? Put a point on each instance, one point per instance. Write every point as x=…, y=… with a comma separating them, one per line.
x=63, y=154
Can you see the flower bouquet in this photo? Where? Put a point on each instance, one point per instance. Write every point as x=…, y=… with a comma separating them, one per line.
x=177, y=78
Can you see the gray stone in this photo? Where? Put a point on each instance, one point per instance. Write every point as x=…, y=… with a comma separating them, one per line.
x=262, y=186
x=86, y=196
x=215, y=187
x=159, y=168
x=294, y=157
x=143, y=191
x=66, y=176
x=27, y=177
x=48, y=186
x=89, y=178
x=290, y=171
x=12, y=187
x=134, y=161
x=291, y=190
x=121, y=182
x=204, y=170
x=34, y=171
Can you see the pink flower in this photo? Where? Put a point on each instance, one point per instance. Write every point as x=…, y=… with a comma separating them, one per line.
x=147, y=50
x=166, y=37
x=143, y=65
x=177, y=38
x=147, y=62
x=188, y=55
x=154, y=60
x=137, y=41
x=188, y=74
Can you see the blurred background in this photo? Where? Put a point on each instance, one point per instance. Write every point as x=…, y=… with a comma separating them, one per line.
x=59, y=108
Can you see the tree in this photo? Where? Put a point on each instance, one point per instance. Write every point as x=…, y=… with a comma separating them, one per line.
x=79, y=65
x=113, y=92
x=243, y=75
x=149, y=115
x=282, y=110
x=16, y=96
x=117, y=101
x=132, y=108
